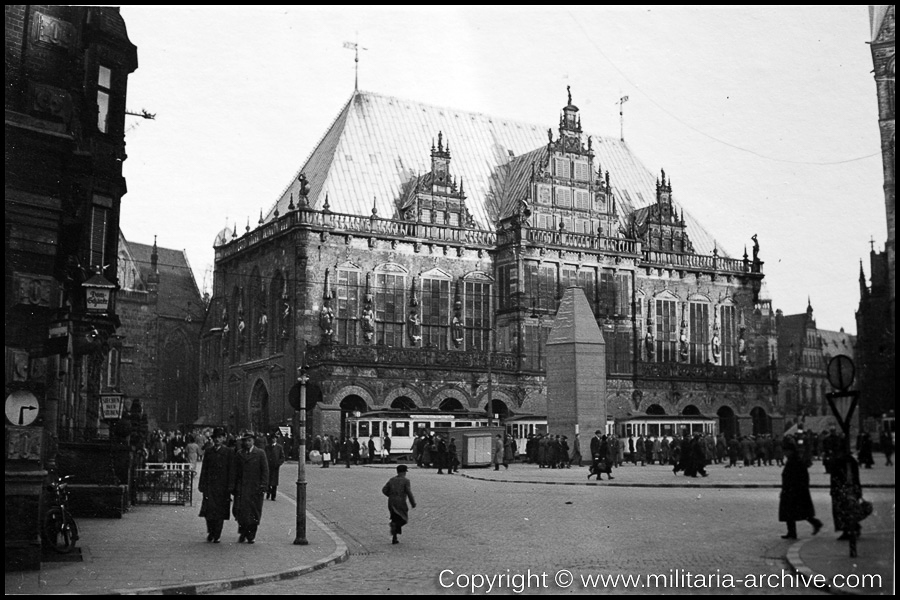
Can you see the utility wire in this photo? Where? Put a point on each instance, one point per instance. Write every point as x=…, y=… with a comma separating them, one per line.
x=703, y=133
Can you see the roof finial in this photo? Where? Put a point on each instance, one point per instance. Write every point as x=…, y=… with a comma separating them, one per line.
x=356, y=48
x=569, y=92
x=326, y=207
x=291, y=205
x=248, y=224
x=260, y=217
x=374, y=209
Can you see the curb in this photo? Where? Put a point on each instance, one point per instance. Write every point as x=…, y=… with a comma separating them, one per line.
x=340, y=555
x=697, y=486
x=798, y=566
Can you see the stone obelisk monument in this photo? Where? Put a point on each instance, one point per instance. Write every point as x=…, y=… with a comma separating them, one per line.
x=576, y=371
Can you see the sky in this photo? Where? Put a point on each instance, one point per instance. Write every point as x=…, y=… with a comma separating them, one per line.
x=765, y=118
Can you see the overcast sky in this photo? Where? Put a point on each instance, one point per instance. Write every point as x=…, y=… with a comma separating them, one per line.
x=764, y=118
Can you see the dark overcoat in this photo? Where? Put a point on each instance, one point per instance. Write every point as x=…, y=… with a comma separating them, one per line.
x=251, y=481
x=397, y=490
x=795, y=503
x=275, y=458
x=217, y=482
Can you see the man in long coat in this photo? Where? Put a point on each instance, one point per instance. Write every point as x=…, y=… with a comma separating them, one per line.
x=497, y=453
x=216, y=484
x=795, y=503
x=398, y=489
x=275, y=458
x=251, y=483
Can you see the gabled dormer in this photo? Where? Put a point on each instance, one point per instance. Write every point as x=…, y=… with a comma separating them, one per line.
x=566, y=193
x=659, y=226
x=436, y=197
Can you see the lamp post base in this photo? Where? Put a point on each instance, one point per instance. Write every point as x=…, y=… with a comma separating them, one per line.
x=301, y=540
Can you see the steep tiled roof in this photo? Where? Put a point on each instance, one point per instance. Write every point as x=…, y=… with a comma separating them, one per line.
x=377, y=144
x=178, y=291
x=836, y=342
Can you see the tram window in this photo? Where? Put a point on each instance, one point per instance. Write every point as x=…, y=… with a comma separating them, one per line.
x=400, y=429
x=376, y=429
x=668, y=430
x=420, y=427
x=653, y=429
x=463, y=423
x=363, y=429
x=441, y=424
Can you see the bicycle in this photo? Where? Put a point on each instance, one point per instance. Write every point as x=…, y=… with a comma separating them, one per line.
x=59, y=530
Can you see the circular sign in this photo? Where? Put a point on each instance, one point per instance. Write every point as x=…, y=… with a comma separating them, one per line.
x=841, y=372
x=22, y=408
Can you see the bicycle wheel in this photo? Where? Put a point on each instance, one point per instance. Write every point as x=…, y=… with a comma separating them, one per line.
x=60, y=531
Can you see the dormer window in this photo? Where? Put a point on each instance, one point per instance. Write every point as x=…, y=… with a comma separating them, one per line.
x=104, y=83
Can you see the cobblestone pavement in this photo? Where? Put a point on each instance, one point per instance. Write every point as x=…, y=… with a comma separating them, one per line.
x=465, y=526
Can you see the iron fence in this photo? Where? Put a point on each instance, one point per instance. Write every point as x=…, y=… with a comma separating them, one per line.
x=164, y=483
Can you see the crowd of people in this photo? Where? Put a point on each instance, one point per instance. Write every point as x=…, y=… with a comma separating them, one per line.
x=240, y=471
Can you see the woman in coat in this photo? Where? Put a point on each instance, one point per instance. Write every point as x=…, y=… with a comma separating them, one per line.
x=397, y=490
x=846, y=492
x=795, y=503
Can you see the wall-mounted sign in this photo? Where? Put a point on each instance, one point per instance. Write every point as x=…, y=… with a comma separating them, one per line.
x=111, y=405
x=22, y=408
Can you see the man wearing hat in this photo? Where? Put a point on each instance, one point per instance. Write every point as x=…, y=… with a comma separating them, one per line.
x=275, y=458
x=596, y=467
x=397, y=490
x=251, y=483
x=216, y=484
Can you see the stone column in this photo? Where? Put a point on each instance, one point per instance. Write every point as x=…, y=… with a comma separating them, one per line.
x=576, y=370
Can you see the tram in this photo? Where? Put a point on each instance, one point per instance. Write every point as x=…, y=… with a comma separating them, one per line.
x=403, y=426
x=521, y=427
x=666, y=425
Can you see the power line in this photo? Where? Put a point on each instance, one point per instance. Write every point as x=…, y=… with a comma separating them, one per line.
x=703, y=133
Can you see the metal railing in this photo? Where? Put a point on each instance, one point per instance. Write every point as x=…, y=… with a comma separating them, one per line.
x=164, y=483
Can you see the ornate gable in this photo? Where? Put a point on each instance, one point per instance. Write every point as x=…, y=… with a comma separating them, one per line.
x=435, y=197
x=659, y=226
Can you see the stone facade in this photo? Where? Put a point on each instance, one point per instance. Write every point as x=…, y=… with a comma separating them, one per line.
x=450, y=290
x=157, y=352
x=66, y=81
x=803, y=354
x=876, y=316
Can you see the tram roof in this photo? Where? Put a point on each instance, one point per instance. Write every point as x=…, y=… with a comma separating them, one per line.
x=667, y=418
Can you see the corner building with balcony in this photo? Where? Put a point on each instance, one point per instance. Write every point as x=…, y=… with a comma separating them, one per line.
x=417, y=259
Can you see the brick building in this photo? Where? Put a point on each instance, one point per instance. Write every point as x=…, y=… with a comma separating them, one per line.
x=156, y=359
x=407, y=274
x=66, y=80
x=875, y=318
x=803, y=354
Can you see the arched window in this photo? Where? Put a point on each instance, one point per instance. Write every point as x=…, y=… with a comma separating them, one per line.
x=390, y=288
x=435, y=310
x=699, y=328
x=728, y=334
x=277, y=290
x=348, y=304
x=477, y=312
x=257, y=324
x=666, y=330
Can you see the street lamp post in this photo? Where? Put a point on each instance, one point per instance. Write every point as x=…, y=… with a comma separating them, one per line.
x=300, y=420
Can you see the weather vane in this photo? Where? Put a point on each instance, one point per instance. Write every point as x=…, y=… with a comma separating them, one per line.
x=356, y=48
